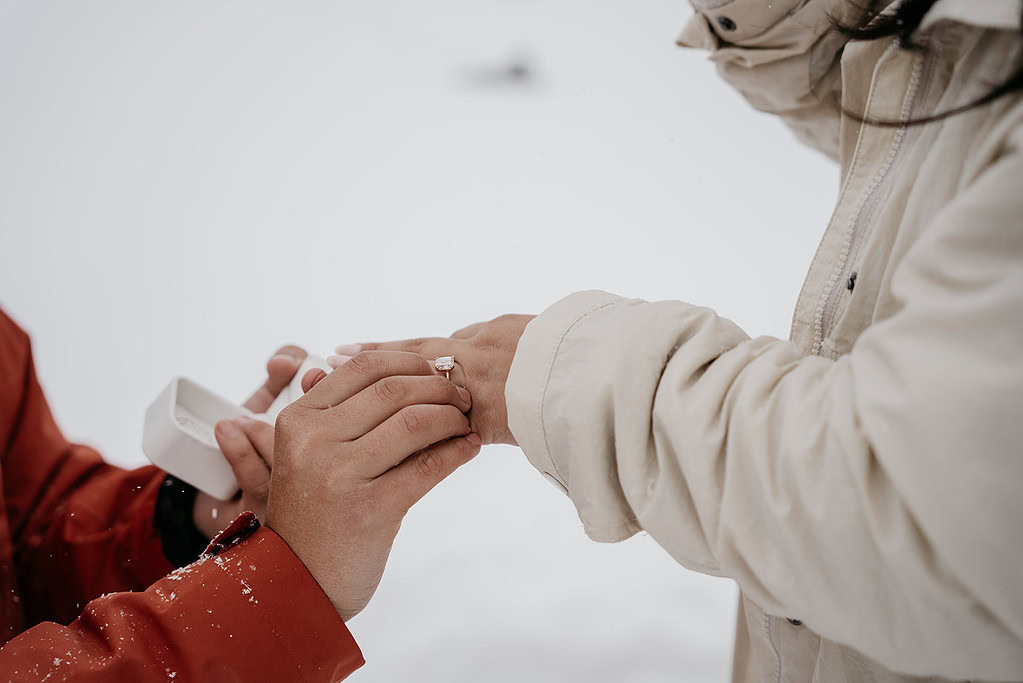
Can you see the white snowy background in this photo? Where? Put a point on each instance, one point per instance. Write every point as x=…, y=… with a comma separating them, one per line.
x=186, y=185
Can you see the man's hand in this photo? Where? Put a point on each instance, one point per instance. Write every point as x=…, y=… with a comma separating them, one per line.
x=353, y=455
x=248, y=446
x=483, y=353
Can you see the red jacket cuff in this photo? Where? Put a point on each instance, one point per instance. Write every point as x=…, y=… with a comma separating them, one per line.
x=247, y=611
x=267, y=586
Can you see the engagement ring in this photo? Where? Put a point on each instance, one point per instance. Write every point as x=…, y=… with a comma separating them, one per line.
x=445, y=364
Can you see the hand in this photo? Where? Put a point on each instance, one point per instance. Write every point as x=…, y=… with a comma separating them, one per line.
x=483, y=353
x=352, y=456
x=248, y=446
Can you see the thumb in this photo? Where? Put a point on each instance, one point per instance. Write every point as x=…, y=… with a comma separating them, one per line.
x=250, y=469
x=261, y=436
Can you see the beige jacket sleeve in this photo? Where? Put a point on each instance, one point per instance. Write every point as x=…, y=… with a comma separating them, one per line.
x=877, y=497
x=782, y=56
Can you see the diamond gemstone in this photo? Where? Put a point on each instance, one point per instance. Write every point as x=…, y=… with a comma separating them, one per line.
x=445, y=363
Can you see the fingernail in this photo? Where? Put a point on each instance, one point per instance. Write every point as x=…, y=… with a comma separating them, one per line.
x=312, y=378
x=464, y=393
x=474, y=439
x=287, y=357
x=228, y=428
x=337, y=361
x=348, y=349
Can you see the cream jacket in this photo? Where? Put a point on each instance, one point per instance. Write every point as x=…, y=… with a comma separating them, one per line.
x=862, y=481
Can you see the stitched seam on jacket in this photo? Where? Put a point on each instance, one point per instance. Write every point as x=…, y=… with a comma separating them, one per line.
x=854, y=161
x=547, y=381
x=769, y=627
x=817, y=661
x=822, y=309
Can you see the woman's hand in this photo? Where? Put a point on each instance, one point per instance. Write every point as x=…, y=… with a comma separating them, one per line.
x=248, y=446
x=353, y=455
x=483, y=353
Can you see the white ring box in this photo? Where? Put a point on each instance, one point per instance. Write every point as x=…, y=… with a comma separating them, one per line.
x=178, y=434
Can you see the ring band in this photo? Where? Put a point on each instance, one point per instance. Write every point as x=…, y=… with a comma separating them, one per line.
x=445, y=364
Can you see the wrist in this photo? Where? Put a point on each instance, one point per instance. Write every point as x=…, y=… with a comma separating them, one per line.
x=181, y=540
x=209, y=515
x=306, y=556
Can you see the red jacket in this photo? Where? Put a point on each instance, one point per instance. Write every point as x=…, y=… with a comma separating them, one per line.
x=77, y=533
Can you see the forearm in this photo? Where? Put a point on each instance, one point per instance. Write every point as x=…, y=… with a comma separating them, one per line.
x=79, y=526
x=252, y=611
x=747, y=458
x=91, y=532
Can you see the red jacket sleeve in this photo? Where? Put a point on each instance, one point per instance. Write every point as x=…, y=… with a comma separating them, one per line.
x=251, y=613
x=78, y=526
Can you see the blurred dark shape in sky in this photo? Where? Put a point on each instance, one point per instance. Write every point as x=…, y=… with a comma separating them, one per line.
x=513, y=72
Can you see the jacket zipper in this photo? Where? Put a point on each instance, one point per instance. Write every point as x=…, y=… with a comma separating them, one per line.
x=826, y=310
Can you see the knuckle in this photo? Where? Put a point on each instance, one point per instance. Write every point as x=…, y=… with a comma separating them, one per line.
x=469, y=449
x=286, y=419
x=429, y=464
x=487, y=342
x=363, y=362
x=412, y=419
x=391, y=390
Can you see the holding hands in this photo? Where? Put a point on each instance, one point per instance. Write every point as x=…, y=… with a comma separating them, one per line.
x=343, y=465
x=483, y=353
x=346, y=462
x=352, y=456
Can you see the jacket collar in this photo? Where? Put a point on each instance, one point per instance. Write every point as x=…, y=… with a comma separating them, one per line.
x=997, y=14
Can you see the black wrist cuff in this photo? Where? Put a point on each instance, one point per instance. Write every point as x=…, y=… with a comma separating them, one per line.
x=175, y=504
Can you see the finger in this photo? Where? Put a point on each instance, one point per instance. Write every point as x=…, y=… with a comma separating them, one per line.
x=374, y=404
x=417, y=475
x=311, y=378
x=251, y=471
x=348, y=349
x=469, y=331
x=291, y=350
x=427, y=347
x=261, y=436
x=337, y=361
x=360, y=372
x=280, y=370
x=406, y=432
